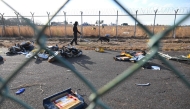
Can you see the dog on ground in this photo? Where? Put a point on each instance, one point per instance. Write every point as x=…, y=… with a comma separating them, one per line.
x=105, y=39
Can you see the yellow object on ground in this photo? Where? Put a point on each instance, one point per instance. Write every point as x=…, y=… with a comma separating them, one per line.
x=35, y=50
x=188, y=56
x=127, y=55
x=99, y=49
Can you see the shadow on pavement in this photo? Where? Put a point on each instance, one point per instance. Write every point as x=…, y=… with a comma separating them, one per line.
x=2, y=62
x=82, y=60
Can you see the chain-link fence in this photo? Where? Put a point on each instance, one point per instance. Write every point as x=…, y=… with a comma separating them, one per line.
x=153, y=45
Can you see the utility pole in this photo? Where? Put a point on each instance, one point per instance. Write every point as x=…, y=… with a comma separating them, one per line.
x=81, y=25
x=3, y=29
x=49, y=23
x=65, y=23
x=135, y=24
x=99, y=23
x=33, y=22
x=116, y=24
x=174, y=22
x=18, y=24
x=154, y=20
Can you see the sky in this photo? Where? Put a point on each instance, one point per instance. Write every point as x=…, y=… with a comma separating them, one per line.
x=41, y=8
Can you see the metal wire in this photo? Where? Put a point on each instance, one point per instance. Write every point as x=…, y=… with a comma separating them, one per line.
x=96, y=93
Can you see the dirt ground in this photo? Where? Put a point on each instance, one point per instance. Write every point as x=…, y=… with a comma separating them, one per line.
x=114, y=44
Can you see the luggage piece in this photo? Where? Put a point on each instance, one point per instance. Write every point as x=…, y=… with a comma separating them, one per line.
x=66, y=99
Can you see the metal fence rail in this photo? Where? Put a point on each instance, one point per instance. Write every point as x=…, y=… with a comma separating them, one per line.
x=95, y=97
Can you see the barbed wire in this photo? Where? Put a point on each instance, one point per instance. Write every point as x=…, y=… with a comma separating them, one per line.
x=110, y=11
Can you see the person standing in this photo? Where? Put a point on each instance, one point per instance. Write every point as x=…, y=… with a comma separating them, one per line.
x=75, y=31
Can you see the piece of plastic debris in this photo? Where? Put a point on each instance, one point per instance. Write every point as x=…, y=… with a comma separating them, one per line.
x=29, y=55
x=44, y=56
x=20, y=91
x=147, y=84
x=155, y=68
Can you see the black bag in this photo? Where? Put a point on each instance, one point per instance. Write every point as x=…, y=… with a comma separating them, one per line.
x=70, y=52
x=14, y=50
x=27, y=46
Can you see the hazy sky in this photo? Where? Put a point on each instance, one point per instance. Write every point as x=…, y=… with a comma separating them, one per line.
x=92, y=7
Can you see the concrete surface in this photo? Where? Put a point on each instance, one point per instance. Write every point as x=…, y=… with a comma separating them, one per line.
x=42, y=79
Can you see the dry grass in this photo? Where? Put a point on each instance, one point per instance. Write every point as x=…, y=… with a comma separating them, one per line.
x=93, y=31
x=124, y=34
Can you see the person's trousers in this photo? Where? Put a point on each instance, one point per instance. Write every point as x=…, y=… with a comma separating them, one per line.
x=74, y=39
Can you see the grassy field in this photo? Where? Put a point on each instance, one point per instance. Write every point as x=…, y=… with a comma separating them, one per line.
x=93, y=31
x=124, y=40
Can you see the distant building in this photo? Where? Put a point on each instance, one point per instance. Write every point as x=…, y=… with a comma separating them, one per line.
x=124, y=24
x=57, y=23
x=85, y=24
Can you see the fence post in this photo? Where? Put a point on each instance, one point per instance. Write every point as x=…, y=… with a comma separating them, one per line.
x=99, y=23
x=3, y=28
x=116, y=24
x=49, y=23
x=81, y=25
x=135, y=24
x=65, y=23
x=174, y=23
x=33, y=23
x=154, y=20
x=18, y=22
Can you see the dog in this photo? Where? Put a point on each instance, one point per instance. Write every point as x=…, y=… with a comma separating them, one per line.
x=106, y=39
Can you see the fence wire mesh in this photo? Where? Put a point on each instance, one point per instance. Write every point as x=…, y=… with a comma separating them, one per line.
x=95, y=97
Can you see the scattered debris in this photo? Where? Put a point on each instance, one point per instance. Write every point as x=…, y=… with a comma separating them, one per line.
x=20, y=91
x=27, y=85
x=66, y=99
x=99, y=49
x=21, y=48
x=188, y=56
x=155, y=68
x=28, y=49
x=178, y=58
x=52, y=58
x=130, y=56
x=134, y=57
x=147, y=84
x=41, y=88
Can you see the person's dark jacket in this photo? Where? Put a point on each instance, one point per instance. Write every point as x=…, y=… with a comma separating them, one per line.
x=75, y=30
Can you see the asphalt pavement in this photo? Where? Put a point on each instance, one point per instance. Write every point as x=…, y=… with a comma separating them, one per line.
x=42, y=79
